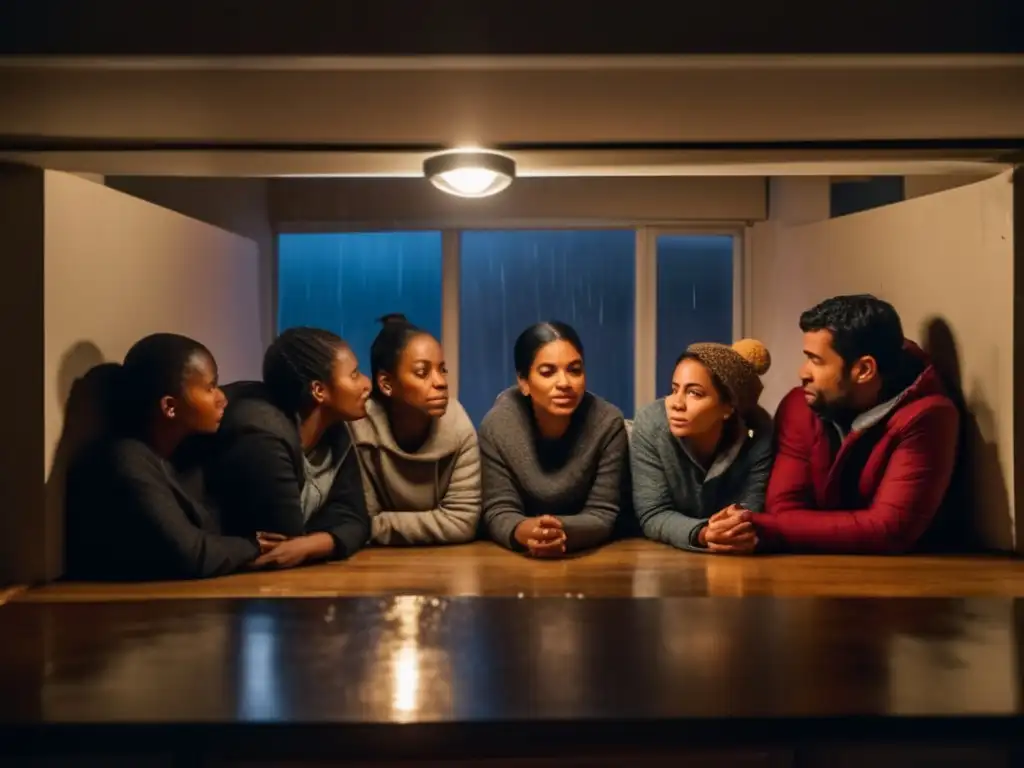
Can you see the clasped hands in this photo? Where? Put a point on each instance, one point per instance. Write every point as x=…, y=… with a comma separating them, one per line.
x=279, y=551
x=542, y=536
x=730, y=531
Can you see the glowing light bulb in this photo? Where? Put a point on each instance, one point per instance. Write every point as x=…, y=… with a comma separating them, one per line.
x=469, y=181
x=470, y=173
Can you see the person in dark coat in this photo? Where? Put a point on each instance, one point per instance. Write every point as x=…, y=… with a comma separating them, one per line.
x=283, y=458
x=129, y=513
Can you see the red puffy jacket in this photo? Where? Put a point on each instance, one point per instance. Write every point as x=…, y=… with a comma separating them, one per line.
x=880, y=491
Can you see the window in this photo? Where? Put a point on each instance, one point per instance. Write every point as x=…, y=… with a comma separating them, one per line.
x=344, y=282
x=848, y=196
x=695, y=297
x=632, y=294
x=512, y=279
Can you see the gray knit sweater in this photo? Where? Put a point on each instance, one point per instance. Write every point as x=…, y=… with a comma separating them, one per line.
x=577, y=478
x=674, y=496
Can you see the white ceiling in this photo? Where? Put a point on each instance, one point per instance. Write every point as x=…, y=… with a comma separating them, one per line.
x=566, y=163
x=725, y=115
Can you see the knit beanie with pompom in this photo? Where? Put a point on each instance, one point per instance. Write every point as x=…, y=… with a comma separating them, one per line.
x=739, y=367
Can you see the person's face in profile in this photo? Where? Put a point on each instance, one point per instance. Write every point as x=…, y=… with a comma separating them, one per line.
x=826, y=379
x=346, y=393
x=200, y=406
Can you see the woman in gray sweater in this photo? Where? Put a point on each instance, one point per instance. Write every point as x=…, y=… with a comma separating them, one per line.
x=554, y=456
x=704, y=450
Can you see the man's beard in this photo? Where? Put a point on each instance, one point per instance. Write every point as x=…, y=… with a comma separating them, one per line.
x=838, y=410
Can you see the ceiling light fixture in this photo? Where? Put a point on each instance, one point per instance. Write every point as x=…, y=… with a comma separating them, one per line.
x=470, y=172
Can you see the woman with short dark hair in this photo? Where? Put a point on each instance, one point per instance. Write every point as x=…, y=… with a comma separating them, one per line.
x=284, y=460
x=129, y=515
x=554, y=455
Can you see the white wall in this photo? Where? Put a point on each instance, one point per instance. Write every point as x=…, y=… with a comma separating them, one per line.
x=920, y=185
x=117, y=268
x=237, y=205
x=945, y=261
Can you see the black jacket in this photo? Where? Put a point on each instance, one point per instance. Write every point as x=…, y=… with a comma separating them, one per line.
x=130, y=518
x=255, y=473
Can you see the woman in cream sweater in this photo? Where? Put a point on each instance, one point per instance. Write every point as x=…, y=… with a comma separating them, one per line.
x=417, y=447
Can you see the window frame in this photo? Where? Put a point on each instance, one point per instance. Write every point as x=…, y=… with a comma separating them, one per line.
x=645, y=284
x=646, y=343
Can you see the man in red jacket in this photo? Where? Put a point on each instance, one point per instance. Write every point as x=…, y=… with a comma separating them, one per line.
x=866, y=447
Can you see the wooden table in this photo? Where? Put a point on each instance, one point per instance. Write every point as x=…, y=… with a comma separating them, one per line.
x=632, y=568
x=420, y=655
x=561, y=681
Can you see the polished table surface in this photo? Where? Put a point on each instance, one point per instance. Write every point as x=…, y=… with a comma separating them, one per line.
x=632, y=568
x=507, y=673
x=473, y=650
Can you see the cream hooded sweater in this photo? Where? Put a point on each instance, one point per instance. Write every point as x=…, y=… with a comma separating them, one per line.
x=431, y=496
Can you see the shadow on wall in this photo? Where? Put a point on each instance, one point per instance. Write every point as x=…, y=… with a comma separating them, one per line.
x=979, y=507
x=85, y=385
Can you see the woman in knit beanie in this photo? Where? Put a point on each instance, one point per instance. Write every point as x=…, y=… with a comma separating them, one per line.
x=703, y=449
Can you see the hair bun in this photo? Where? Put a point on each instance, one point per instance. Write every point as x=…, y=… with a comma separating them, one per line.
x=395, y=318
x=755, y=353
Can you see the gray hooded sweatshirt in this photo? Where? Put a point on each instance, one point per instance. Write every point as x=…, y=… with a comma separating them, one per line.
x=674, y=496
x=431, y=496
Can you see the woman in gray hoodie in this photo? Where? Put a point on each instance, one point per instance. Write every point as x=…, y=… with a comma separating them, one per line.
x=704, y=450
x=417, y=447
